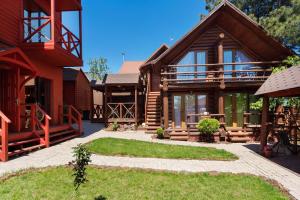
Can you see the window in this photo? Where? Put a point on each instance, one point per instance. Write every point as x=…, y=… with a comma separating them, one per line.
x=192, y=58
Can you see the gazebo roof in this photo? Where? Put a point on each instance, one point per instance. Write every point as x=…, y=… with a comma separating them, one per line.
x=282, y=84
x=124, y=79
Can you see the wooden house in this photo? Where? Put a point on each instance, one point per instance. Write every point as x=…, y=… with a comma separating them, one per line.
x=77, y=90
x=212, y=71
x=35, y=45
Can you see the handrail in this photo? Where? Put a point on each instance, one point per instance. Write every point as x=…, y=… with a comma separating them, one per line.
x=4, y=136
x=38, y=122
x=77, y=118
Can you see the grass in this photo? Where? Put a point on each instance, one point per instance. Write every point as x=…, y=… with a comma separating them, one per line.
x=131, y=184
x=135, y=148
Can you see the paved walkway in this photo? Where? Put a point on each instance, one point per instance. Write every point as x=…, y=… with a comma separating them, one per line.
x=249, y=161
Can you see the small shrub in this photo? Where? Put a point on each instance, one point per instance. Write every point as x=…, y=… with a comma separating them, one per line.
x=160, y=133
x=82, y=159
x=115, y=126
x=208, y=126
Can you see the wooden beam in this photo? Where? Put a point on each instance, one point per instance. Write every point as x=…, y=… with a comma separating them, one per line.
x=105, y=106
x=221, y=105
x=53, y=11
x=165, y=105
x=221, y=59
x=136, y=105
x=264, y=120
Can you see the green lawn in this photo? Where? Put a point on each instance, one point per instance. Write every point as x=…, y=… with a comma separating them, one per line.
x=135, y=148
x=132, y=184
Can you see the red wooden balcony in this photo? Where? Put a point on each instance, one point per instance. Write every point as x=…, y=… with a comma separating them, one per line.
x=45, y=35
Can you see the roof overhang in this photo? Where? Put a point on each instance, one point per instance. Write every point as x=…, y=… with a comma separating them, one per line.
x=282, y=84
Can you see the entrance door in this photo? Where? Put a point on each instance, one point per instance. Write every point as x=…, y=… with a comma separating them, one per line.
x=9, y=96
x=184, y=104
x=235, y=106
x=43, y=93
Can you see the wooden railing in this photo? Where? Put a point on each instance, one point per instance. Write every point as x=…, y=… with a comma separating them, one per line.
x=4, y=137
x=38, y=30
x=97, y=113
x=192, y=124
x=121, y=111
x=190, y=73
x=40, y=120
x=74, y=116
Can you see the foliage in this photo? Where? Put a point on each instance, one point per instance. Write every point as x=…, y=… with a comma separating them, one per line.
x=135, y=184
x=160, y=133
x=82, y=159
x=135, y=148
x=286, y=101
x=280, y=18
x=115, y=126
x=208, y=126
x=98, y=68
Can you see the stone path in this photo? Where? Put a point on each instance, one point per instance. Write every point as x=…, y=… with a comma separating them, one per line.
x=249, y=162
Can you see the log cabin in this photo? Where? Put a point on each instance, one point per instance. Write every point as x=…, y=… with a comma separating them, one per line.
x=35, y=45
x=76, y=87
x=212, y=71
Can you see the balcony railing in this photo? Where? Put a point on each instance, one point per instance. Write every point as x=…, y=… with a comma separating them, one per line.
x=121, y=112
x=224, y=72
x=38, y=30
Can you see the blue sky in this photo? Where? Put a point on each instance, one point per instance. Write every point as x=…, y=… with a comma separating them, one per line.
x=135, y=27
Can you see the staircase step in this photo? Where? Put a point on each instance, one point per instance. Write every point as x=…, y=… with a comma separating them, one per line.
x=240, y=139
x=239, y=134
x=62, y=133
x=180, y=138
x=63, y=139
x=11, y=144
x=25, y=150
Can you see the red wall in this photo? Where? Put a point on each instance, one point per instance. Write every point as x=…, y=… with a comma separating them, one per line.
x=10, y=21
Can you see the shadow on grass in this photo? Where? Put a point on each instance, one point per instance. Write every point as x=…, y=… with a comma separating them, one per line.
x=100, y=198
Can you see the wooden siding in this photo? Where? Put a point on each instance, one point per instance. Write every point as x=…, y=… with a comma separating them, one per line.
x=69, y=93
x=83, y=92
x=10, y=16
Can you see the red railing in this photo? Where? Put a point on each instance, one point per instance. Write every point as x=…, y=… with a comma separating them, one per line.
x=40, y=120
x=38, y=30
x=73, y=115
x=4, y=137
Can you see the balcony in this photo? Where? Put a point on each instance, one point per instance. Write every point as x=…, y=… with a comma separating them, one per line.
x=224, y=74
x=46, y=36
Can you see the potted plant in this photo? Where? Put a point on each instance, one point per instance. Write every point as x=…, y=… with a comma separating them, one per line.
x=160, y=133
x=207, y=128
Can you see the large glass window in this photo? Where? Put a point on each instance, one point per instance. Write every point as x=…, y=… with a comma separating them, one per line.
x=192, y=58
x=177, y=111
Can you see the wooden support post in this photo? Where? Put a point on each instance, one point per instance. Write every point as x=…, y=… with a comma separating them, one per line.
x=105, y=115
x=136, y=105
x=221, y=59
x=264, y=120
x=221, y=105
x=53, y=11
x=4, y=140
x=165, y=105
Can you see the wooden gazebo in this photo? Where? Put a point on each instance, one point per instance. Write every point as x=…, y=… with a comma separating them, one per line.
x=282, y=84
x=122, y=97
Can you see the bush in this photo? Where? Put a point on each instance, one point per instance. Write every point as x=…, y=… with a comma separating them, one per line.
x=115, y=126
x=208, y=126
x=160, y=133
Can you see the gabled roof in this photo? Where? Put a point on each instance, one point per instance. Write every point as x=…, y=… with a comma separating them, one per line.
x=155, y=55
x=238, y=24
x=116, y=79
x=285, y=83
x=129, y=67
x=71, y=74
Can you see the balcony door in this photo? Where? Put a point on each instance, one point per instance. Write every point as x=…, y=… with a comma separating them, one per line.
x=184, y=104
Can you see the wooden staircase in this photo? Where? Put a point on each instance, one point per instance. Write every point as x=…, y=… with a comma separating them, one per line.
x=153, y=109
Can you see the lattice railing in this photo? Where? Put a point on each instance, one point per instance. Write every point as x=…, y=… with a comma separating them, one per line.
x=121, y=110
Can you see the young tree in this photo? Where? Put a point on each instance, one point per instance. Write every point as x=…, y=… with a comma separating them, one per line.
x=98, y=68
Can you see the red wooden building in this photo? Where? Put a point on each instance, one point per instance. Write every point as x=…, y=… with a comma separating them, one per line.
x=213, y=71
x=77, y=90
x=35, y=44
